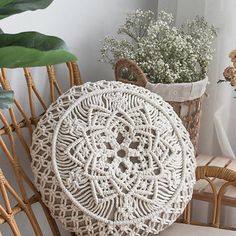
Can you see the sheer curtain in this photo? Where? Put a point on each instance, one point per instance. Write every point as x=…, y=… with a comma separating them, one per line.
x=218, y=126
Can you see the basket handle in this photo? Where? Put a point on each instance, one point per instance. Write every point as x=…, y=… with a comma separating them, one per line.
x=131, y=66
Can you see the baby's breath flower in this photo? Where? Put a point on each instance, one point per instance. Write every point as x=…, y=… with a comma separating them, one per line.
x=165, y=54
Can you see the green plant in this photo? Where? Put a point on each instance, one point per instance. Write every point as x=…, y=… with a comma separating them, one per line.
x=28, y=49
x=165, y=54
x=6, y=98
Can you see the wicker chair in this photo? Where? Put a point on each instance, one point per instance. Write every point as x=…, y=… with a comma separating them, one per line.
x=15, y=137
x=18, y=123
x=221, y=180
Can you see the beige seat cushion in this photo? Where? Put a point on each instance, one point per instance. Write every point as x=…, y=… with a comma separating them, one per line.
x=192, y=230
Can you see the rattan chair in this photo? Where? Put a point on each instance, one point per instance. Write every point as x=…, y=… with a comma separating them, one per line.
x=220, y=181
x=15, y=138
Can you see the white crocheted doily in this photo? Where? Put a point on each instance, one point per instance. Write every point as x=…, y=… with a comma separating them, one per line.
x=113, y=159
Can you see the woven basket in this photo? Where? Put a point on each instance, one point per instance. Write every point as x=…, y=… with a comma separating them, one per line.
x=188, y=108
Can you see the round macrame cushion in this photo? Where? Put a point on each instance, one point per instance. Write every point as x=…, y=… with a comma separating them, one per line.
x=113, y=159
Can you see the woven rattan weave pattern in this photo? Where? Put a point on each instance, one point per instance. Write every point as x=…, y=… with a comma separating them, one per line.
x=113, y=159
x=21, y=205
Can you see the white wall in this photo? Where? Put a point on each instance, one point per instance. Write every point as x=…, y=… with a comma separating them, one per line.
x=82, y=24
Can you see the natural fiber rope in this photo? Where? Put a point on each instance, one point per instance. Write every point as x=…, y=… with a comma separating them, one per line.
x=118, y=157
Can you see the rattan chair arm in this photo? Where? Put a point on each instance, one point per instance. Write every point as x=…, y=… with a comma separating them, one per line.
x=216, y=172
x=131, y=66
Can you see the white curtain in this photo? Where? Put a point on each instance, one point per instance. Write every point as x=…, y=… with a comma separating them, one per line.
x=218, y=126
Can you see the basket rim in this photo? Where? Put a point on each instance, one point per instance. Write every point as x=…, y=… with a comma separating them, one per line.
x=179, y=92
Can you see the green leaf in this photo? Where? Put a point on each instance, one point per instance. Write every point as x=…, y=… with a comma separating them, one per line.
x=30, y=49
x=6, y=98
x=5, y=2
x=11, y=7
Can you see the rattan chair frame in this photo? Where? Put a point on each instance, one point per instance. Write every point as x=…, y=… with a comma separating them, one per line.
x=216, y=198
x=9, y=128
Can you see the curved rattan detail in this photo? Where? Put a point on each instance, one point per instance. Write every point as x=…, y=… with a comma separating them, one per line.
x=140, y=78
x=210, y=174
x=11, y=132
x=216, y=172
x=188, y=111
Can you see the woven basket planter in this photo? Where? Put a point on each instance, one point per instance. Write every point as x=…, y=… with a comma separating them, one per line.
x=185, y=98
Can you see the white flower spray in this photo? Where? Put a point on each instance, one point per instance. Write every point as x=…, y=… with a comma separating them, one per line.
x=165, y=54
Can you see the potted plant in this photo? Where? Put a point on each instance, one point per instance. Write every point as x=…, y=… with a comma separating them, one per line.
x=174, y=61
x=29, y=49
x=6, y=99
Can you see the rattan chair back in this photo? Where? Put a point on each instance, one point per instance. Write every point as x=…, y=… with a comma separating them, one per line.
x=16, y=130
